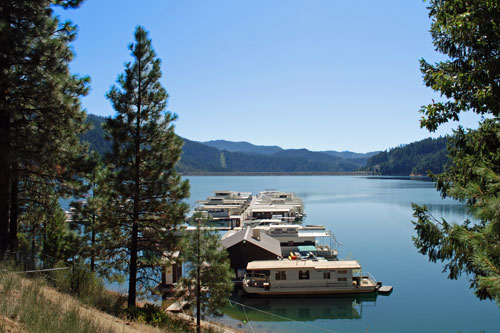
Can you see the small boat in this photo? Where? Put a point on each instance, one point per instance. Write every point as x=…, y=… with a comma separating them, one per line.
x=307, y=277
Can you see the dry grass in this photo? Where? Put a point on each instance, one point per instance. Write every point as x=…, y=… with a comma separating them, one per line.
x=31, y=306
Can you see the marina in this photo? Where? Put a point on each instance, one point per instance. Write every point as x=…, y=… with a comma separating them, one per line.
x=372, y=220
x=273, y=254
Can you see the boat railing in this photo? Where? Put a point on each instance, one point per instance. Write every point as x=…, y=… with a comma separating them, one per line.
x=370, y=277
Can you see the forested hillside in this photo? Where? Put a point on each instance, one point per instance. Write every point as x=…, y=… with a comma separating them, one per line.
x=242, y=147
x=96, y=135
x=199, y=157
x=416, y=158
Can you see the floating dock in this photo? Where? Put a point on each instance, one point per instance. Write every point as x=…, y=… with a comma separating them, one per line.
x=385, y=290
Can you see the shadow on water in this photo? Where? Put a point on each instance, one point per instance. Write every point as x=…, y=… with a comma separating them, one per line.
x=301, y=309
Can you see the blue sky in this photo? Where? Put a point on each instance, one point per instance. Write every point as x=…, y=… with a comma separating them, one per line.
x=316, y=74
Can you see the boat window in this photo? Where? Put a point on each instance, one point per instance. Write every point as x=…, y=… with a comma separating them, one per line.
x=342, y=271
x=304, y=313
x=281, y=275
x=342, y=279
x=303, y=275
x=326, y=275
x=277, y=231
x=281, y=312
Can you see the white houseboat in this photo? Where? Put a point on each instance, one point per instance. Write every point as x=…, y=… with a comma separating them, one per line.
x=307, y=277
x=295, y=239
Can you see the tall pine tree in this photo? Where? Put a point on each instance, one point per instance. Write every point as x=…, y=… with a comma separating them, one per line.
x=147, y=193
x=40, y=113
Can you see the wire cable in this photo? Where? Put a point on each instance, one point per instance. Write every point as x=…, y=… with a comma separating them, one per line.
x=275, y=315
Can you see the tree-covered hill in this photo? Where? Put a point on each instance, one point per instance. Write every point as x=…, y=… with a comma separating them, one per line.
x=199, y=157
x=416, y=158
x=96, y=135
x=242, y=147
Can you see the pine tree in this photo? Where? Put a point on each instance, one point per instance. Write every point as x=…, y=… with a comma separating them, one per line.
x=40, y=112
x=468, y=32
x=86, y=213
x=210, y=278
x=146, y=191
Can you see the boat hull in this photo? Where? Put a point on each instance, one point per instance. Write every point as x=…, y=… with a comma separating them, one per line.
x=307, y=291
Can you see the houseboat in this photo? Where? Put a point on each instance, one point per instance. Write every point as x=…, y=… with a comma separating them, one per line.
x=307, y=277
x=300, y=240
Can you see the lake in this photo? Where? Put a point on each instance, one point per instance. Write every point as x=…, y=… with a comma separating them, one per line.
x=371, y=218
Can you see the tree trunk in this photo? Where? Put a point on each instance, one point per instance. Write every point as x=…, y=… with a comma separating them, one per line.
x=198, y=283
x=92, y=242
x=133, y=267
x=132, y=284
x=4, y=179
x=14, y=208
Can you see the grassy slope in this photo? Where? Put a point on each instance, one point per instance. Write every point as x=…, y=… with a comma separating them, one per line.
x=31, y=306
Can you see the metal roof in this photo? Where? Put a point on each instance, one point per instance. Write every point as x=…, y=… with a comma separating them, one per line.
x=264, y=241
x=311, y=233
x=259, y=209
x=301, y=264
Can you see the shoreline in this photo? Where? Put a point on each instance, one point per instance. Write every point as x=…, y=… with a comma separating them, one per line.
x=238, y=173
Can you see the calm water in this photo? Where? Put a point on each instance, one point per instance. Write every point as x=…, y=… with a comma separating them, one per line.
x=371, y=217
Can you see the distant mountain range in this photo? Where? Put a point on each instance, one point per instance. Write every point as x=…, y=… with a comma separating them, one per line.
x=242, y=147
x=227, y=156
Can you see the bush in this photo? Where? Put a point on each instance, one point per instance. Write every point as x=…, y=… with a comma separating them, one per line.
x=153, y=315
x=88, y=288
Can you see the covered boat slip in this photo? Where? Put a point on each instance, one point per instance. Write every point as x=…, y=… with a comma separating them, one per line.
x=301, y=277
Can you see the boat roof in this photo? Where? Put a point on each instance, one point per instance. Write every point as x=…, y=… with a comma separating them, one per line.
x=300, y=264
x=314, y=233
x=263, y=209
x=264, y=241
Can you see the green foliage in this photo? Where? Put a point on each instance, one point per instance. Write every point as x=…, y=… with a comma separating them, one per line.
x=468, y=32
x=146, y=193
x=87, y=216
x=96, y=136
x=56, y=240
x=153, y=315
x=89, y=288
x=208, y=283
x=417, y=158
x=40, y=113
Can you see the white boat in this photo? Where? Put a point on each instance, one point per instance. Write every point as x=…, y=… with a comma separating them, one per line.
x=293, y=237
x=307, y=277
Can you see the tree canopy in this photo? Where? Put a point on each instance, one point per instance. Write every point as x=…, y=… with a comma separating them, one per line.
x=468, y=33
x=40, y=113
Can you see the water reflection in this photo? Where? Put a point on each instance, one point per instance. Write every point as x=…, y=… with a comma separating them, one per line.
x=297, y=308
x=457, y=209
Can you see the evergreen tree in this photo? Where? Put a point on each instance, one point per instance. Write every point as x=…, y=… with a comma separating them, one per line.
x=209, y=280
x=39, y=106
x=146, y=191
x=86, y=214
x=468, y=32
